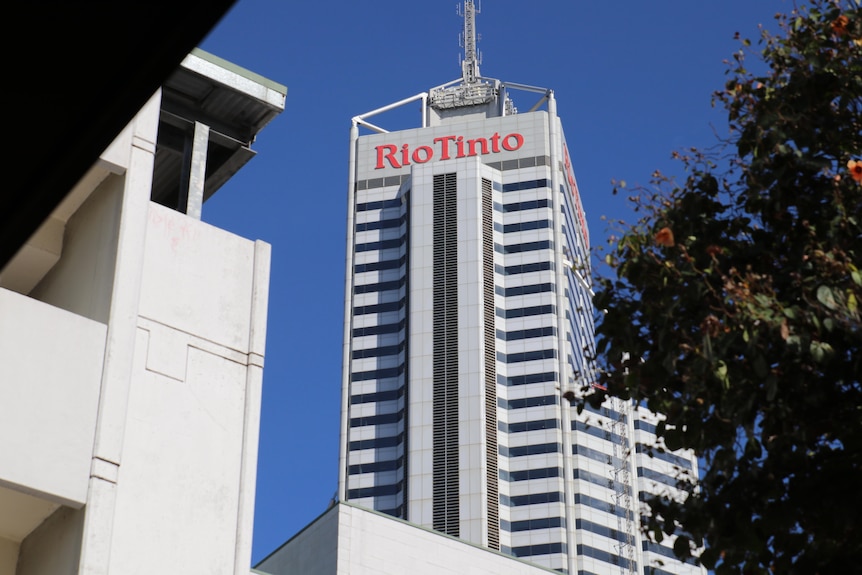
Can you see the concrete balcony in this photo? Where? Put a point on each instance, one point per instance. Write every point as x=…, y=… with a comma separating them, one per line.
x=50, y=371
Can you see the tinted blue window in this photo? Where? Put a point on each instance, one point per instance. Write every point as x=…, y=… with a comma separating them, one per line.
x=525, y=311
x=396, y=203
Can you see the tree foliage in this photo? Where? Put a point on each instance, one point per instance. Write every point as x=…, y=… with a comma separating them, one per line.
x=733, y=307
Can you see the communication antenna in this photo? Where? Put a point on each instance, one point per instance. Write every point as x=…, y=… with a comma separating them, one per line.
x=470, y=64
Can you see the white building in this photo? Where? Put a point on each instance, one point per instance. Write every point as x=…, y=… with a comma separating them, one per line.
x=131, y=350
x=469, y=330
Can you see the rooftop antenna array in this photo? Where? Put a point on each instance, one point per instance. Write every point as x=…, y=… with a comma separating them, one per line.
x=470, y=64
x=473, y=89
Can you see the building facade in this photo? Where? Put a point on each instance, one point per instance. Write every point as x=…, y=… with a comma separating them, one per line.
x=132, y=338
x=469, y=332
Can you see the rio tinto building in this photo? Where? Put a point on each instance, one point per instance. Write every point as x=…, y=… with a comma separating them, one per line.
x=468, y=329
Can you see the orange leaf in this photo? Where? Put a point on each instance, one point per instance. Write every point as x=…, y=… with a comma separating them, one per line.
x=664, y=237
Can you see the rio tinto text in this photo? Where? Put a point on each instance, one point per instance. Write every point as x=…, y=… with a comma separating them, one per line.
x=445, y=148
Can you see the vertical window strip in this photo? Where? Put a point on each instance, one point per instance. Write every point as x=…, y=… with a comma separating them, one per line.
x=445, y=356
x=490, y=333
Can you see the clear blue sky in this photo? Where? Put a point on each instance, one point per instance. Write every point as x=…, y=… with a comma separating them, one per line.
x=632, y=80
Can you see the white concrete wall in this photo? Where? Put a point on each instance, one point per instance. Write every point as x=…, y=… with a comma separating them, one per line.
x=81, y=280
x=50, y=367
x=55, y=546
x=370, y=543
x=186, y=482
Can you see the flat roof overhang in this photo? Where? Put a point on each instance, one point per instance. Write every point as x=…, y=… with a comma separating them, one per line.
x=77, y=73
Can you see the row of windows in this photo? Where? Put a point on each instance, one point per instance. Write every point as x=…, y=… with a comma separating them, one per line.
x=519, y=163
x=380, y=266
x=379, y=351
x=379, y=205
x=526, y=185
x=520, y=206
x=645, y=425
x=605, y=412
x=381, y=419
x=532, y=524
x=506, y=500
x=526, y=402
x=377, y=373
x=596, y=455
x=523, y=226
x=376, y=466
x=664, y=456
x=380, y=224
x=397, y=349
x=502, y=335
x=379, y=329
x=539, y=549
x=535, y=449
x=596, y=479
x=601, y=505
x=599, y=432
x=379, y=307
x=381, y=245
x=524, y=290
x=527, y=474
x=505, y=292
x=588, y=551
x=526, y=333
x=600, y=530
x=526, y=311
x=528, y=425
x=377, y=442
x=526, y=355
x=527, y=379
x=502, y=166
x=374, y=491
x=531, y=499
x=647, y=473
x=507, y=228
x=377, y=396
x=515, y=248
x=523, y=268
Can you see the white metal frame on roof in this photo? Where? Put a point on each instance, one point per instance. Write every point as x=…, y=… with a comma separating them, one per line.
x=503, y=87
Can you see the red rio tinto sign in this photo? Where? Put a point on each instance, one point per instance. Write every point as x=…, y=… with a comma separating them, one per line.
x=573, y=185
x=445, y=148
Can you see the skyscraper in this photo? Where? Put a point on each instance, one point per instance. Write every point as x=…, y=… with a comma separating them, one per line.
x=469, y=330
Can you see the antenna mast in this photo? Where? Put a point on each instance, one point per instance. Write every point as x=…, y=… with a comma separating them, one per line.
x=470, y=65
x=473, y=91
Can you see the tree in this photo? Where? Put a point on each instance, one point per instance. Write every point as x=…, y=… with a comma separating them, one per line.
x=733, y=307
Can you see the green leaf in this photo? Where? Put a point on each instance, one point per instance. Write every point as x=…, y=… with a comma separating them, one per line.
x=821, y=351
x=721, y=374
x=826, y=297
